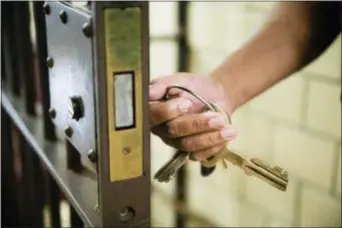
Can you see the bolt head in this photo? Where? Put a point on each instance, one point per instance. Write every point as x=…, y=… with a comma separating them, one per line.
x=68, y=131
x=63, y=16
x=52, y=113
x=126, y=150
x=49, y=62
x=87, y=29
x=126, y=214
x=46, y=8
x=92, y=155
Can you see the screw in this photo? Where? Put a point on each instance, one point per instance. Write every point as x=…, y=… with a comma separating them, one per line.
x=92, y=155
x=52, y=113
x=87, y=29
x=126, y=214
x=46, y=9
x=63, y=16
x=49, y=62
x=126, y=150
x=68, y=131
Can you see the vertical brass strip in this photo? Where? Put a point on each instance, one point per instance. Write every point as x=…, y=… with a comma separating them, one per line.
x=122, y=29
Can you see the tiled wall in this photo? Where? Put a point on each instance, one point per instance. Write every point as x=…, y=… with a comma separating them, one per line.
x=296, y=125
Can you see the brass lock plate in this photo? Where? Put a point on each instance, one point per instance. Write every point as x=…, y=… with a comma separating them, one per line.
x=124, y=92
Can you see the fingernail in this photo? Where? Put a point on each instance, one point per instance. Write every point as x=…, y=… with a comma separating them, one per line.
x=218, y=121
x=184, y=106
x=228, y=133
x=210, y=114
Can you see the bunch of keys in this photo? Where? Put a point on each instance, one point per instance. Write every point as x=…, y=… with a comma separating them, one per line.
x=275, y=176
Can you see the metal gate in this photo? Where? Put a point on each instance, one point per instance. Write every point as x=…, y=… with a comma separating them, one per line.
x=74, y=113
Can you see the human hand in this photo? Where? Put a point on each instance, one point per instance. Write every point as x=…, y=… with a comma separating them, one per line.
x=180, y=121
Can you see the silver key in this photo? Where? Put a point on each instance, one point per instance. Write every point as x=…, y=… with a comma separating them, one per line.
x=168, y=171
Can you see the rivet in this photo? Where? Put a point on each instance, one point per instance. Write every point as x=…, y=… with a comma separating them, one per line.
x=52, y=113
x=126, y=214
x=126, y=150
x=68, y=131
x=63, y=16
x=87, y=29
x=92, y=155
x=49, y=62
x=46, y=8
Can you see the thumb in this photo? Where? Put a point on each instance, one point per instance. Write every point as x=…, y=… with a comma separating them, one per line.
x=157, y=91
x=159, y=86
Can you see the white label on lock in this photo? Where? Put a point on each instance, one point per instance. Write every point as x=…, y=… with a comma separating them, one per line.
x=124, y=100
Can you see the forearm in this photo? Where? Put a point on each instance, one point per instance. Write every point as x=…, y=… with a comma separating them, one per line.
x=294, y=35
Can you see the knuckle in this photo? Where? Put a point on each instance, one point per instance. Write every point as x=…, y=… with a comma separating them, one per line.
x=198, y=157
x=197, y=125
x=171, y=129
x=187, y=144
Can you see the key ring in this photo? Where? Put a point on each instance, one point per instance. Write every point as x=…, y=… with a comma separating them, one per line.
x=210, y=162
x=210, y=106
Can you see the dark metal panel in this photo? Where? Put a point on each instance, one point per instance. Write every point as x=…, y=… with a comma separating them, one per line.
x=79, y=188
x=41, y=52
x=133, y=192
x=71, y=75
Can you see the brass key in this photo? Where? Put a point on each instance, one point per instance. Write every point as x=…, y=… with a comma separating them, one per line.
x=255, y=166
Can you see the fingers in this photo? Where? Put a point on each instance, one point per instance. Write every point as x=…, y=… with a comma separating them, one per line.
x=191, y=124
x=204, y=154
x=202, y=141
x=162, y=111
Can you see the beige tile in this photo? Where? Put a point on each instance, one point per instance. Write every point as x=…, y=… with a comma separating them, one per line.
x=213, y=202
x=162, y=214
x=163, y=18
x=160, y=153
x=205, y=61
x=249, y=216
x=207, y=20
x=329, y=63
x=255, y=134
x=338, y=181
x=282, y=100
x=276, y=201
x=324, y=108
x=163, y=58
x=279, y=222
x=306, y=156
x=319, y=210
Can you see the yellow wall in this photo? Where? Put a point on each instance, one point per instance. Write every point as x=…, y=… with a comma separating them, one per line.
x=296, y=124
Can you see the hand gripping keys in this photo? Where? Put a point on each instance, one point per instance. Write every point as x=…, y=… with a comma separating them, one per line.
x=275, y=176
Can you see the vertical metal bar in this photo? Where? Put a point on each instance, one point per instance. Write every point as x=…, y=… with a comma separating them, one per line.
x=31, y=183
x=41, y=51
x=13, y=36
x=9, y=212
x=73, y=158
x=75, y=220
x=25, y=52
x=6, y=20
x=183, y=62
x=53, y=200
